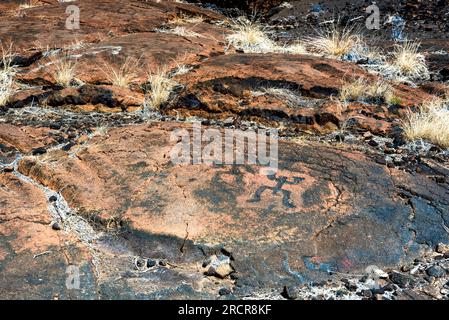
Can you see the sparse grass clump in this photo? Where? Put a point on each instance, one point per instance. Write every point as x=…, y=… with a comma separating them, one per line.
x=336, y=42
x=7, y=73
x=289, y=97
x=124, y=75
x=367, y=90
x=409, y=62
x=181, y=18
x=161, y=86
x=430, y=123
x=181, y=31
x=251, y=37
x=65, y=70
x=30, y=4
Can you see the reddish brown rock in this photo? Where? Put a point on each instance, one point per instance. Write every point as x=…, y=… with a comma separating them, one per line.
x=24, y=139
x=224, y=87
x=325, y=210
x=44, y=26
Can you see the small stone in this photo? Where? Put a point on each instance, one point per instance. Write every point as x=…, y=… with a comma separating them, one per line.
x=151, y=263
x=289, y=293
x=224, y=292
x=53, y=198
x=405, y=269
x=8, y=169
x=139, y=263
x=162, y=263
x=367, y=135
x=435, y=271
x=220, y=267
x=55, y=226
x=401, y=279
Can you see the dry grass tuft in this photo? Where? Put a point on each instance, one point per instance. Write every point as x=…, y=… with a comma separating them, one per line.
x=161, y=86
x=181, y=31
x=336, y=42
x=430, y=123
x=65, y=70
x=7, y=73
x=124, y=75
x=289, y=97
x=409, y=62
x=364, y=89
x=251, y=37
x=181, y=18
x=30, y=4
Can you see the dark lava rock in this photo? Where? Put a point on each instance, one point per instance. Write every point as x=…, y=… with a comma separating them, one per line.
x=401, y=279
x=68, y=146
x=151, y=263
x=289, y=293
x=162, y=263
x=224, y=291
x=373, y=143
x=53, y=198
x=8, y=169
x=38, y=151
x=435, y=271
x=55, y=226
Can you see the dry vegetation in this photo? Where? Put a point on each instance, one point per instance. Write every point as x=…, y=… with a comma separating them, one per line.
x=181, y=18
x=181, y=31
x=336, y=42
x=65, y=70
x=289, y=97
x=408, y=62
x=161, y=86
x=367, y=90
x=430, y=123
x=7, y=73
x=124, y=75
x=251, y=37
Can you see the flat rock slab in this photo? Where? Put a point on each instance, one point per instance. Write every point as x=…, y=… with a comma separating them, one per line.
x=326, y=210
x=235, y=86
x=45, y=26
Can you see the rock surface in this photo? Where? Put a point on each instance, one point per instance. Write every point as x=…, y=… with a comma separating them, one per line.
x=88, y=186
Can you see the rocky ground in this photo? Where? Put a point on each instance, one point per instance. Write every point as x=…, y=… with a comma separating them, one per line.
x=355, y=211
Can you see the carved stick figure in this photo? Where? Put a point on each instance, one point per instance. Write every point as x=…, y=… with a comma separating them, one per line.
x=281, y=181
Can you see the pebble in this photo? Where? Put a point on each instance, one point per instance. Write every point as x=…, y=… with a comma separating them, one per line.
x=219, y=266
x=53, y=198
x=162, y=263
x=151, y=263
x=224, y=292
x=55, y=226
x=139, y=263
